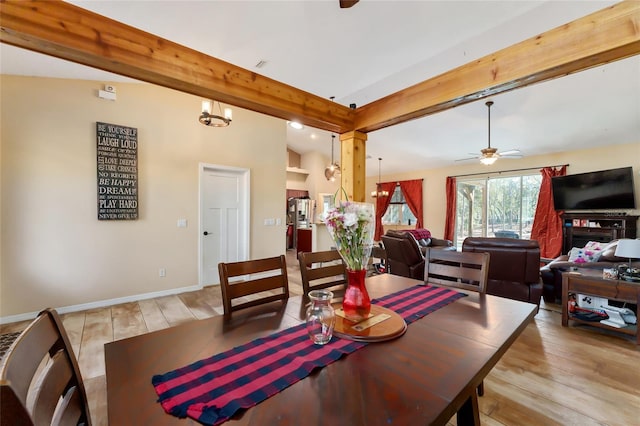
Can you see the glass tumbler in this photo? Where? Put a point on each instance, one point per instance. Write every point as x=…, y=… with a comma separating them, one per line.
x=321, y=317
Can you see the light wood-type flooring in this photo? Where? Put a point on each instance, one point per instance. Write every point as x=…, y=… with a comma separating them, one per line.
x=550, y=376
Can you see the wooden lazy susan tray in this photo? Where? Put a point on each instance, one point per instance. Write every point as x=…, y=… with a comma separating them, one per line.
x=383, y=324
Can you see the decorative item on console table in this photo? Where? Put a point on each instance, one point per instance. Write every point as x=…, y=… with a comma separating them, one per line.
x=351, y=225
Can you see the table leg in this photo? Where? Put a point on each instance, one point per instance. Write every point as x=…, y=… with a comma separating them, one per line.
x=565, y=300
x=637, y=314
x=469, y=413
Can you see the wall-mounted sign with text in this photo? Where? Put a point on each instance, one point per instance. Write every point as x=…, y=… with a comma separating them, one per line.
x=117, y=153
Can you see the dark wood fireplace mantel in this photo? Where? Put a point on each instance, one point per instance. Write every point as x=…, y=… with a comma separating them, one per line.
x=580, y=228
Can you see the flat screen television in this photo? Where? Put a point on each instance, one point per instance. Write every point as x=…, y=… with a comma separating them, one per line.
x=600, y=190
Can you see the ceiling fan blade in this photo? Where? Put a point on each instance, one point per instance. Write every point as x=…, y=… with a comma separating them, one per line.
x=510, y=152
x=345, y=4
x=467, y=159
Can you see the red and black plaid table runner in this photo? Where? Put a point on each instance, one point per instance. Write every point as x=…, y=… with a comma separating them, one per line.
x=214, y=389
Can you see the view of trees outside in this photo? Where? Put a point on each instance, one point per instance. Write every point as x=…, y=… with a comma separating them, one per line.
x=496, y=207
x=398, y=212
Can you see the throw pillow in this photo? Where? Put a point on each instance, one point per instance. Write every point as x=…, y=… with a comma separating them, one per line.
x=594, y=250
x=582, y=255
x=420, y=233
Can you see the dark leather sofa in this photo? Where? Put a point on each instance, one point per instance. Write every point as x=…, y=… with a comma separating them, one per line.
x=514, y=267
x=551, y=273
x=405, y=255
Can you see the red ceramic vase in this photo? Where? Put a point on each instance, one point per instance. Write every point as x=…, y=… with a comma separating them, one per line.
x=356, y=303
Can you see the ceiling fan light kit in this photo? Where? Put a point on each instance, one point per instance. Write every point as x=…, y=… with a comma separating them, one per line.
x=487, y=161
x=489, y=155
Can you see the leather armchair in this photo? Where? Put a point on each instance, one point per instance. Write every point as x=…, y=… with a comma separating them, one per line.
x=403, y=255
x=514, y=267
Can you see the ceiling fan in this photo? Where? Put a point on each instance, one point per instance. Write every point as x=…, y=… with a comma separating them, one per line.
x=345, y=4
x=489, y=155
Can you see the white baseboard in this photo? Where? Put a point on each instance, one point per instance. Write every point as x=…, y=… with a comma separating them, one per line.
x=100, y=304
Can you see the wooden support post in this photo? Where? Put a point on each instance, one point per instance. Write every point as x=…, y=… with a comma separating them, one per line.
x=352, y=163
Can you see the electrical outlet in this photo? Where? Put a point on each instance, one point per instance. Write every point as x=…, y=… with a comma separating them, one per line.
x=278, y=221
x=162, y=272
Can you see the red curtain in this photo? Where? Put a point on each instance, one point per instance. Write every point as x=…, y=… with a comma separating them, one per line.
x=382, y=204
x=450, y=220
x=547, y=223
x=412, y=190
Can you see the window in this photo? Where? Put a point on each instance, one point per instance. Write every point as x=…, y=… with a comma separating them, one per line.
x=398, y=212
x=496, y=207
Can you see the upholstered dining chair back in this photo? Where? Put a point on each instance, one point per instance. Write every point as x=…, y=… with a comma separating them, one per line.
x=40, y=381
x=321, y=269
x=468, y=271
x=403, y=254
x=256, y=282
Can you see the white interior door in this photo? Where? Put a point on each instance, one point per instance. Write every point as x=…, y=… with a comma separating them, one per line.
x=224, y=218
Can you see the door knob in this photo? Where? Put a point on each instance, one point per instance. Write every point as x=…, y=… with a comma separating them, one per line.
x=205, y=233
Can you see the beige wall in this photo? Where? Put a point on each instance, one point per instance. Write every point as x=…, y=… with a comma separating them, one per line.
x=54, y=250
x=613, y=156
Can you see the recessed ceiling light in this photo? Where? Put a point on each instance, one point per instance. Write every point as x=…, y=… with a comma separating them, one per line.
x=296, y=125
x=314, y=136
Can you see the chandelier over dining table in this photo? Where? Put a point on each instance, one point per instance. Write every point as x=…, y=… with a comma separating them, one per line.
x=379, y=192
x=209, y=117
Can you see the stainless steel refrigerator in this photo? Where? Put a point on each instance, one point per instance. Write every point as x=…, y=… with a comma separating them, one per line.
x=299, y=217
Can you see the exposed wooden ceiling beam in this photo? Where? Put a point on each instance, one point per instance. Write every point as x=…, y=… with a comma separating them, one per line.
x=69, y=32
x=604, y=36
x=66, y=31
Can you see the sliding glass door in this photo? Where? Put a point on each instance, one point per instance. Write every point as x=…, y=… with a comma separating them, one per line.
x=496, y=206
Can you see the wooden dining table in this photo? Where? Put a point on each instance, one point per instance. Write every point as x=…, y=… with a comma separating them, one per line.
x=425, y=376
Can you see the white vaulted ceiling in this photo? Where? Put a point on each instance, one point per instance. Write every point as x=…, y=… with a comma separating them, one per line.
x=376, y=48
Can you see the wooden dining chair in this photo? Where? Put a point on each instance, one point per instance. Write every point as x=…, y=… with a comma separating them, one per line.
x=379, y=252
x=257, y=282
x=321, y=269
x=465, y=270
x=40, y=381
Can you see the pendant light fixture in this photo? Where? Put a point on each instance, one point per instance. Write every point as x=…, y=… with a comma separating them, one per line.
x=333, y=169
x=208, y=118
x=379, y=192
